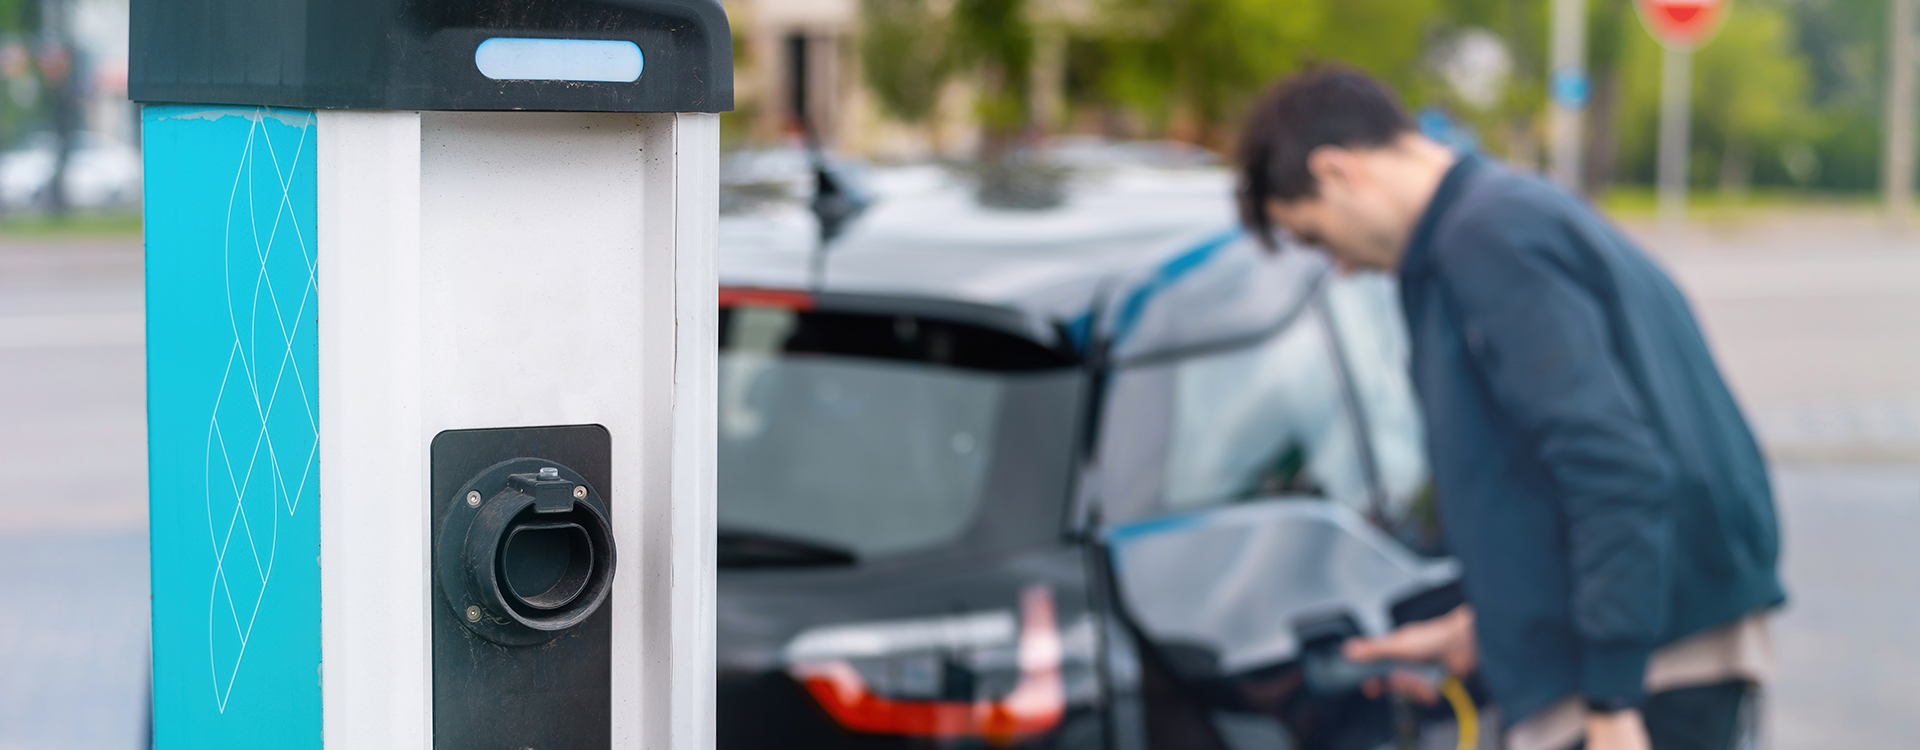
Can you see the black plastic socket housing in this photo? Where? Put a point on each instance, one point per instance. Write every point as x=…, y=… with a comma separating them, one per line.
x=419, y=54
x=520, y=561
x=535, y=557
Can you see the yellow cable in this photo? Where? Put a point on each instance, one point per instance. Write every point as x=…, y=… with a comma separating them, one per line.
x=1463, y=712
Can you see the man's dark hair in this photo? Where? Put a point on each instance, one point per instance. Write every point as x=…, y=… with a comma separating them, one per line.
x=1329, y=105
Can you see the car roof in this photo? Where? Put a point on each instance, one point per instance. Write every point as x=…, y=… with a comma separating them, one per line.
x=1147, y=260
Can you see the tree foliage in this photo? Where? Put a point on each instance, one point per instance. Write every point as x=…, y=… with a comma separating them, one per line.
x=1752, y=87
x=909, y=49
x=1200, y=57
x=995, y=38
x=1786, y=83
x=904, y=55
x=1751, y=100
x=1201, y=62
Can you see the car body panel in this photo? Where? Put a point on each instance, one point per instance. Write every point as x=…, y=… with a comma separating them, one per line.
x=1269, y=565
x=926, y=238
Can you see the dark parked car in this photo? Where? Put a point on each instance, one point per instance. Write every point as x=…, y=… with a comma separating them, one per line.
x=1094, y=477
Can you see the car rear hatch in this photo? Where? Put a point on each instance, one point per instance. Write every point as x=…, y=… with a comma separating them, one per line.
x=894, y=476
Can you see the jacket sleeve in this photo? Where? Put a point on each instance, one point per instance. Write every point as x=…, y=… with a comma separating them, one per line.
x=1524, y=286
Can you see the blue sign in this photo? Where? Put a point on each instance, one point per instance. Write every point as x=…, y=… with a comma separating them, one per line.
x=1570, y=87
x=233, y=426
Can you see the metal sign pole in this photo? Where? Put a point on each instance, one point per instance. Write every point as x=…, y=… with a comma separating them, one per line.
x=1681, y=26
x=1676, y=109
x=1570, y=90
x=1897, y=173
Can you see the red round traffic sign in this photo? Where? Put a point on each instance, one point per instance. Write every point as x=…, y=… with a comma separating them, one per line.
x=1683, y=24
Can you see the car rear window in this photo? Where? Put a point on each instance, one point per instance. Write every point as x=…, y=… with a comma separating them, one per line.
x=852, y=438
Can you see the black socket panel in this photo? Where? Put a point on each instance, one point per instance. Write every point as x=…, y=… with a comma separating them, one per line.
x=522, y=631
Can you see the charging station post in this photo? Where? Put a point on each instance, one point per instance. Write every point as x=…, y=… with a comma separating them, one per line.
x=431, y=370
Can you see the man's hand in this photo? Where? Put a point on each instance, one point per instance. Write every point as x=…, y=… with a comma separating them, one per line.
x=1446, y=640
x=1620, y=730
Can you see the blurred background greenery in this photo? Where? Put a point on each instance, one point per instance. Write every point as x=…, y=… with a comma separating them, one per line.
x=68, y=158
x=1789, y=107
x=1789, y=98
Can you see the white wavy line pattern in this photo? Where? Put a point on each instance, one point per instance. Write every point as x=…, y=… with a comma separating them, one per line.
x=269, y=296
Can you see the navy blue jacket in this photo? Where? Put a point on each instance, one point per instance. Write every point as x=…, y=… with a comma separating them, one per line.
x=1592, y=472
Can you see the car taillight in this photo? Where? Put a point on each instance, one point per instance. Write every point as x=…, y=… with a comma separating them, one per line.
x=1033, y=706
x=731, y=296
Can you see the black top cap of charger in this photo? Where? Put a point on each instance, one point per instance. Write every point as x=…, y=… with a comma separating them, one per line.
x=551, y=55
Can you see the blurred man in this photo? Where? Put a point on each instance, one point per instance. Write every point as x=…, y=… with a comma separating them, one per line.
x=1592, y=473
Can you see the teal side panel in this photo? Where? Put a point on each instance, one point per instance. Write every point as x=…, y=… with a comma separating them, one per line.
x=232, y=420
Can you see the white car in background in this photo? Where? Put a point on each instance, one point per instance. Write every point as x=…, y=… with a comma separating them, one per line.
x=102, y=172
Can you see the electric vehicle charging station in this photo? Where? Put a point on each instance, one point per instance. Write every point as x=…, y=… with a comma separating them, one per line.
x=431, y=315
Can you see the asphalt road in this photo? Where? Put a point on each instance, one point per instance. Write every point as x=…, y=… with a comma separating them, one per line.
x=1817, y=325
x=73, y=545
x=1815, y=319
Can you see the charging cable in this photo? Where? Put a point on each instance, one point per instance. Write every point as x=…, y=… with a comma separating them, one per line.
x=1464, y=714
x=1328, y=672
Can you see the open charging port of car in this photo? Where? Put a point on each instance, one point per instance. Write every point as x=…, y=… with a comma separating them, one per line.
x=1329, y=672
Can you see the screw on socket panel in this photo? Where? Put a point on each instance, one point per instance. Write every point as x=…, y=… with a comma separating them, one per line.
x=580, y=492
x=473, y=614
x=473, y=499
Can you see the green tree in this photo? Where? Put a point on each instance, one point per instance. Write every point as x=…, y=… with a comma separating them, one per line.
x=20, y=24
x=904, y=56
x=995, y=39
x=1608, y=24
x=909, y=49
x=1513, y=126
x=1752, y=90
x=1201, y=59
x=1200, y=63
x=1845, y=43
x=1750, y=98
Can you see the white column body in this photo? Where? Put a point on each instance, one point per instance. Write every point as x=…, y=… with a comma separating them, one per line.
x=516, y=269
